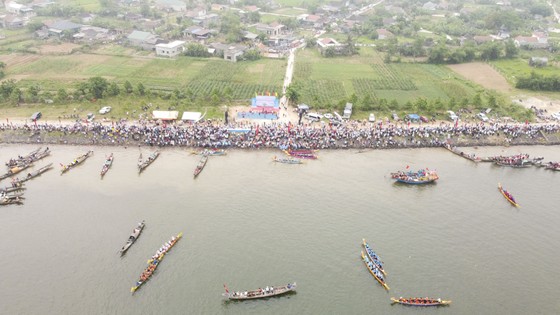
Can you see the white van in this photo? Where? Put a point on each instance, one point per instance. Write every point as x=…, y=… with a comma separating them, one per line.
x=452, y=116
x=313, y=116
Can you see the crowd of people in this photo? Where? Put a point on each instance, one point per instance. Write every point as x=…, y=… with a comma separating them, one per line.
x=283, y=135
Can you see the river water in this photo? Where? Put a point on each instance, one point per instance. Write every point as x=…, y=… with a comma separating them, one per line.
x=249, y=222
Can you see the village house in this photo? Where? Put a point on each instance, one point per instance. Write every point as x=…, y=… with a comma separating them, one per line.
x=10, y=21
x=197, y=32
x=144, y=40
x=60, y=27
x=195, y=13
x=327, y=42
x=206, y=20
x=230, y=52
x=538, y=40
x=171, y=5
x=89, y=33
x=171, y=49
x=384, y=34
x=18, y=9
x=273, y=29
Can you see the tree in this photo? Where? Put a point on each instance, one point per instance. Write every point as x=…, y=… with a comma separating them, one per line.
x=511, y=50
x=252, y=54
x=15, y=96
x=61, y=95
x=7, y=87
x=141, y=89
x=293, y=93
x=490, y=51
x=329, y=52
x=113, y=89
x=128, y=87
x=254, y=17
x=98, y=86
x=2, y=67
x=33, y=92
x=438, y=54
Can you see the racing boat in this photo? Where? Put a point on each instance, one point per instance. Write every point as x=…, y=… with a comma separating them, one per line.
x=373, y=256
x=200, y=165
x=77, y=161
x=133, y=237
x=260, y=293
x=420, y=301
x=287, y=160
x=107, y=165
x=143, y=164
x=507, y=195
x=375, y=272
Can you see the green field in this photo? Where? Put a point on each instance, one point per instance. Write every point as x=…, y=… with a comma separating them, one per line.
x=201, y=77
x=325, y=82
x=513, y=68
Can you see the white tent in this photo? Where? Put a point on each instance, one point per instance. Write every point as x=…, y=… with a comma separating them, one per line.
x=191, y=116
x=165, y=115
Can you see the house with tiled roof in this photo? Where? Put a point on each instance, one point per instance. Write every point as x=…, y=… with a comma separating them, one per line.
x=384, y=34
x=10, y=21
x=144, y=40
x=327, y=42
x=59, y=27
x=272, y=29
x=197, y=32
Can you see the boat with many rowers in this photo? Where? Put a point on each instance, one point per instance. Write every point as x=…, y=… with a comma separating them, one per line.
x=133, y=237
x=200, y=165
x=420, y=301
x=142, y=165
x=287, y=160
x=14, y=170
x=375, y=272
x=415, y=178
x=34, y=174
x=373, y=256
x=260, y=293
x=154, y=262
x=302, y=154
x=507, y=195
x=22, y=159
x=107, y=165
x=77, y=161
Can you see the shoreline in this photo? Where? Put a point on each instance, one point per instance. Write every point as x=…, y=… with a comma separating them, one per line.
x=281, y=135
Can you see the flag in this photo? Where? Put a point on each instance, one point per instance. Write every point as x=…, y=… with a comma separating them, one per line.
x=456, y=122
x=225, y=287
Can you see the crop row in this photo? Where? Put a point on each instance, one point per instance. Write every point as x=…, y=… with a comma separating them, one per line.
x=321, y=92
x=303, y=70
x=363, y=87
x=206, y=88
x=391, y=79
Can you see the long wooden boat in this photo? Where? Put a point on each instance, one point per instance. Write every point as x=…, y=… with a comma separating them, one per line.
x=35, y=173
x=153, y=264
x=302, y=154
x=468, y=156
x=260, y=293
x=287, y=160
x=521, y=164
x=507, y=195
x=133, y=237
x=420, y=301
x=22, y=159
x=200, y=165
x=375, y=272
x=4, y=201
x=373, y=256
x=39, y=155
x=144, y=164
x=77, y=161
x=11, y=189
x=211, y=152
x=553, y=166
x=14, y=170
x=107, y=165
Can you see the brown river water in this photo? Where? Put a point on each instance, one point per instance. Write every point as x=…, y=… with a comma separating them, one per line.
x=249, y=222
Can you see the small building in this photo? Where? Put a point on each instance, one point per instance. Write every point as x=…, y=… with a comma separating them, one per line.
x=384, y=34
x=171, y=49
x=59, y=27
x=165, y=114
x=11, y=22
x=327, y=42
x=229, y=52
x=273, y=29
x=144, y=40
x=538, y=61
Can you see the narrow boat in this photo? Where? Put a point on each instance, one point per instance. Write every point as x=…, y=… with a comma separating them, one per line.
x=287, y=160
x=154, y=263
x=415, y=178
x=302, y=154
x=468, y=156
x=375, y=272
x=11, y=189
x=39, y=155
x=77, y=161
x=133, y=237
x=507, y=195
x=518, y=164
x=420, y=301
x=144, y=164
x=260, y=293
x=34, y=174
x=4, y=201
x=107, y=165
x=211, y=152
x=373, y=256
x=553, y=166
x=200, y=165
x=140, y=160
x=14, y=170
x=22, y=159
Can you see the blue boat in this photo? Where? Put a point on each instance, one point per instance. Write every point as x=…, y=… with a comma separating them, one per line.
x=373, y=256
x=415, y=178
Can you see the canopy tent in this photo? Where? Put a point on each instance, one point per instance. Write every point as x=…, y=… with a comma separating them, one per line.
x=191, y=116
x=165, y=114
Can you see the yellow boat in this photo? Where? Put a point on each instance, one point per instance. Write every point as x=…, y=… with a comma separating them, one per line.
x=507, y=195
x=382, y=282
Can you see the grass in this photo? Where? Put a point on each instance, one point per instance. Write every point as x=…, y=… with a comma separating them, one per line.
x=514, y=68
x=326, y=82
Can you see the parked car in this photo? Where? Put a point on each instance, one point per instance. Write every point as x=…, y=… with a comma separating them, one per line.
x=482, y=116
x=371, y=117
x=395, y=116
x=451, y=115
x=36, y=116
x=105, y=110
x=313, y=116
x=424, y=119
